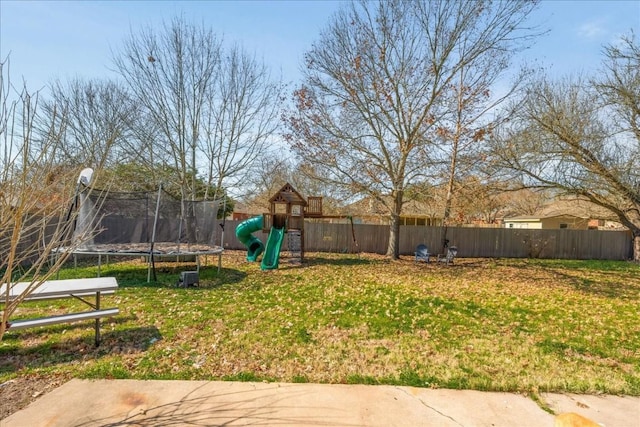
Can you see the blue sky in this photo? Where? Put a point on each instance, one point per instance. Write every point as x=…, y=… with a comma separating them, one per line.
x=65, y=39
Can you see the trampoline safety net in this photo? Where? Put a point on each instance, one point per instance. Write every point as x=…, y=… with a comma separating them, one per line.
x=140, y=221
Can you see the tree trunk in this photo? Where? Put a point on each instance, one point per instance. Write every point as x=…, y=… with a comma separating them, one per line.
x=4, y=325
x=633, y=224
x=393, y=250
x=447, y=213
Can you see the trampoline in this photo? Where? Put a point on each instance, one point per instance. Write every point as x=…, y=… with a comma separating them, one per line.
x=149, y=224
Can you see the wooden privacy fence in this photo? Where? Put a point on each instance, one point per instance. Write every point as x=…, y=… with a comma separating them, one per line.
x=471, y=242
x=509, y=243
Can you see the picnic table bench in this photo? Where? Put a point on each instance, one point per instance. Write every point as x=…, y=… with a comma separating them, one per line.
x=81, y=289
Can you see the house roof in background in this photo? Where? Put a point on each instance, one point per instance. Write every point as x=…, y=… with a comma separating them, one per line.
x=575, y=207
x=567, y=207
x=533, y=218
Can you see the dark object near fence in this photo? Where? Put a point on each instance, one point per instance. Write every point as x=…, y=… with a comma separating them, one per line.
x=422, y=253
x=449, y=256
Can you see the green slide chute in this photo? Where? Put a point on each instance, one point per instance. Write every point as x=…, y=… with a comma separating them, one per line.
x=244, y=232
x=271, y=255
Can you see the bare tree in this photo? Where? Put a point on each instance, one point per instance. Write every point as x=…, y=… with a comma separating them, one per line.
x=243, y=115
x=272, y=172
x=376, y=87
x=94, y=119
x=35, y=198
x=582, y=137
x=472, y=99
x=475, y=200
x=212, y=110
x=170, y=74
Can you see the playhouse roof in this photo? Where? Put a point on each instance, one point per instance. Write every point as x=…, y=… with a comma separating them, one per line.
x=288, y=194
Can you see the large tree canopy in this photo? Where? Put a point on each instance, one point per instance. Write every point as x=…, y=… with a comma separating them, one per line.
x=582, y=136
x=378, y=84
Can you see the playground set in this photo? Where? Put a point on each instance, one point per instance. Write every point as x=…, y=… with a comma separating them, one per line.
x=285, y=217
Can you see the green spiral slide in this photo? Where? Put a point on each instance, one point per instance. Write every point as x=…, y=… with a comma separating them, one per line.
x=271, y=257
x=244, y=232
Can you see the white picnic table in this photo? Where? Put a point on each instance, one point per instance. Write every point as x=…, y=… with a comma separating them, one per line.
x=80, y=289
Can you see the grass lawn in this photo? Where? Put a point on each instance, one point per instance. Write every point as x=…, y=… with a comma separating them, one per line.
x=507, y=325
